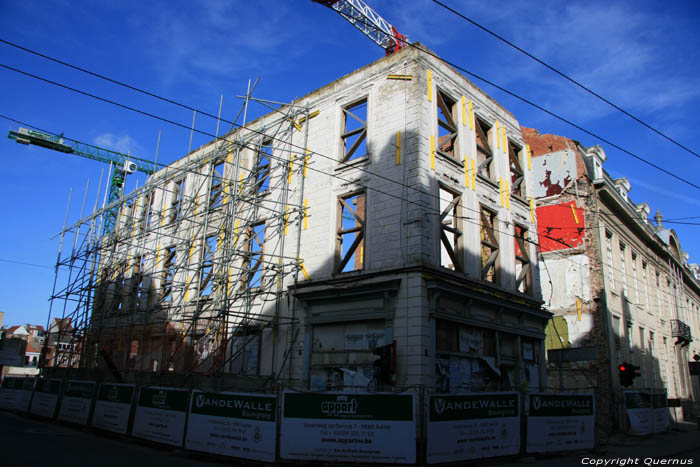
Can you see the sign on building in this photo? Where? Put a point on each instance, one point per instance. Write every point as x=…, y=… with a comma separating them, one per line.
x=348, y=427
x=640, y=416
x=560, y=422
x=233, y=424
x=113, y=407
x=45, y=397
x=659, y=403
x=76, y=402
x=161, y=414
x=472, y=426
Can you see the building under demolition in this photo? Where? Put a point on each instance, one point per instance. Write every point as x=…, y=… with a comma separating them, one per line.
x=378, y=231
x=620, y=287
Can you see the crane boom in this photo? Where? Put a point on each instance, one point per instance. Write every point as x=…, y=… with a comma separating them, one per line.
x=368, y=21
x=122, y=164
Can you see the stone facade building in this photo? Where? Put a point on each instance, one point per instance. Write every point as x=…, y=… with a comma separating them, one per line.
x=620, y=287
x=387, y=216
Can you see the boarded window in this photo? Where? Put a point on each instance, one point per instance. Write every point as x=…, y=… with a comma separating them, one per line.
x=350, y=232
x=484, y=153
x=489, y=246
x=354, y=132
x=523, y=275
x=450, y=230
x=447, y=125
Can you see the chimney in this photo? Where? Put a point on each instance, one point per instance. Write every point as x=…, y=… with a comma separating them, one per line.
x=658, y=218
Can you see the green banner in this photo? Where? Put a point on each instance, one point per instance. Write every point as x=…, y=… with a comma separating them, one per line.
x=263, y=408
x=389, y=407
x=122, y=393
x=550, y=405
x=51, y=386
x=471, y=407
x=82, y=389
x=164, y=398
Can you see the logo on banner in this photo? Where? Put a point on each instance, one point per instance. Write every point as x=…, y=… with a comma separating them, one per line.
x=342, y=406
x=199, y=401
x=439, y=406
x=537, y=402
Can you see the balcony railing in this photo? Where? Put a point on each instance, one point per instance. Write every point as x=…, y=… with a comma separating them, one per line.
x=680, y=329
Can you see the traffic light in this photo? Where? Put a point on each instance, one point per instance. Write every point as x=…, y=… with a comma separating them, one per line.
x=627, y=372
x=385, y=365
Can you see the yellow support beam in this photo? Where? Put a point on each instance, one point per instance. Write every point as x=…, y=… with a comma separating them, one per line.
x=500, y=188
x=464, y=111
x=398, y=148
x=306, y=160
x=507, y=195
x=432, y=152
x=529, y=157
x=303, y=269
x=291, y=169
x=286, y=219
x=400, y=77
x=473, y=174
x=471, y=116
x=306, y=213
x=466, y=171
x=532, y=209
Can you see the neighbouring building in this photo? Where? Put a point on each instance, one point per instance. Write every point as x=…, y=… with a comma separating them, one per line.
x=619, y=286
x=20, y=349
x=378, y=231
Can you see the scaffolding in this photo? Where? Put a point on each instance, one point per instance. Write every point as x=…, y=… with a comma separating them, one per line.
x=196, y=267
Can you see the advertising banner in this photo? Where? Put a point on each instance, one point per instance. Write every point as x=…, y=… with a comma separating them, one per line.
x=161, y=414
x=45, y=397
x=560, y=422
x=25, y=394
x=349, y=427
x=10, y=392
x=640, y=416
x=113, y=407
x=76, y=402
x=472, y=426
x=233, y=424
x=661, y=421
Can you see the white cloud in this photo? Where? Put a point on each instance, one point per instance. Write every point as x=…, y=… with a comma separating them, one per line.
x=120, y=143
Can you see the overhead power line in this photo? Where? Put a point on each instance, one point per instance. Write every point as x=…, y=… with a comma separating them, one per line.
x=568, y=78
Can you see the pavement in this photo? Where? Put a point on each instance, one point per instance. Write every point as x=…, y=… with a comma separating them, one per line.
x=678, y=446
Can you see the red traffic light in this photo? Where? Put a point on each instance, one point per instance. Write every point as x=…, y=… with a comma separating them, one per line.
x=622, y=368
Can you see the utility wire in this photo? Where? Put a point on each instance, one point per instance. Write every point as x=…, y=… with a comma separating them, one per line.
x=567, y=77
x=548, y=112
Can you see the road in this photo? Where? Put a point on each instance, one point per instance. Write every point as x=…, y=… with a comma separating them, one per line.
x=26, y=441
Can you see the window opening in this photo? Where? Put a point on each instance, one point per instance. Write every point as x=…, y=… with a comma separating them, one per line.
x=217, y=185
x=177, y=200
x=608, y=248
x=623, y=268
x=447, y=126
x=206, y=273
x=517, y=175
x=253, y=257
x=351, y=232
x=635, y=282
x=522, y=260
x=262, y=166
x=137, y=280
x=450, y=230
x=484, y=153
x=354, y=134
x=147, y=213
x=489, y=246
x=168, y=274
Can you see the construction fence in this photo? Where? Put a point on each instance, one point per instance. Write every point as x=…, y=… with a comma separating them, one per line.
x=414, y=426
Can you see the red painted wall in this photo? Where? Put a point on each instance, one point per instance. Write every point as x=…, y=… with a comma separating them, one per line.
x=558, y=228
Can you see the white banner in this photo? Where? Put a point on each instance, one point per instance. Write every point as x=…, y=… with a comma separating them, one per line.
x=113, y=407
x=76, y=402
x=160, y=415
x=233, y=424
x=349, y=427
x=661, y=421
x=639, y=413
x=560, y=422
x=45, y=398
x=472, y=426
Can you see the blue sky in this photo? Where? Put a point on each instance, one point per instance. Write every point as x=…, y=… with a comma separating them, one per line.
x=642, y=58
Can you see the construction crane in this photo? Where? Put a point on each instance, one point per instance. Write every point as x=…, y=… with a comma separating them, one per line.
x=364, y=18
x=122, y=164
